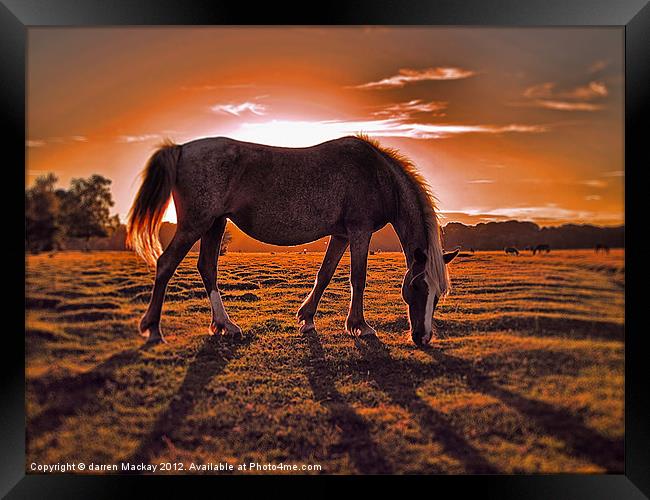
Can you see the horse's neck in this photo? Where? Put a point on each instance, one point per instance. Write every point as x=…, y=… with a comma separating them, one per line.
x=409, y=222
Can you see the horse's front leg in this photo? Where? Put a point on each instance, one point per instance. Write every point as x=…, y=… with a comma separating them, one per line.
x=355, y=322
x=207, y=265
x=335, y=250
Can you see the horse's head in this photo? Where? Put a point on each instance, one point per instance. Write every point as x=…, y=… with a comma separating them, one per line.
x=421, y=297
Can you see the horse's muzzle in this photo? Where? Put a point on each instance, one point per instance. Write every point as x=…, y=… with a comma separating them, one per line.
x=420, y=338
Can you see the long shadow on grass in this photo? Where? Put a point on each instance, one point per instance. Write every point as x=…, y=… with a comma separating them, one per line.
x=558, y=422
x=356, y=438
x=209, y=362
x=537, y=325
x=76, y=394
x=400, y=384
x=525, y=324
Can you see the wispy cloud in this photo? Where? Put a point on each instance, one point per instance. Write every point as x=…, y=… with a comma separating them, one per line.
x=614, y=173
x=594, y=183
x=481, y=181
x=39, y=143
x=67, y=140
x=586, y=92
x=567, y=105
x=593, y=197
x=539, y=90
x=131, y=139
x=406, y=75
x=405, y=109
x=544, y=95
x=236, y=109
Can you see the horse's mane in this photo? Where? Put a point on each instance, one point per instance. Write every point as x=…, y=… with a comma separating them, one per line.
x=436, y=270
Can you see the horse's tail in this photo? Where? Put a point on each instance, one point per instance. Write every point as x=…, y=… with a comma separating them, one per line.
x=145, y=216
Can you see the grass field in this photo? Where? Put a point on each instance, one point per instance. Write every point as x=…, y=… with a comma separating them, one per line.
x=527, y=375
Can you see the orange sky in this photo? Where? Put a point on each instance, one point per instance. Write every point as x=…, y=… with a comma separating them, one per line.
x=504, y=123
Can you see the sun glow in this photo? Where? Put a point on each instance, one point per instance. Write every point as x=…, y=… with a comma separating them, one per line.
x=170, y=213
x=308, y=133
x=293, y=134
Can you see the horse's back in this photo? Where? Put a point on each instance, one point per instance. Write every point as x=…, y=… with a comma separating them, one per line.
x=347, y=155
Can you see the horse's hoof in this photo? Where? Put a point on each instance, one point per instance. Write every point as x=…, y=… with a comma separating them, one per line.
x=369, y=332
x=232, y=331
x=307, y=326
x=362, y=330
x=144, y=331
x=152, y=335
x=155, y=340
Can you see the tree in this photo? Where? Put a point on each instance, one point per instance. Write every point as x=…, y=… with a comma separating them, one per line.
x=43, y=230
x=85, y=208
x=225, y=241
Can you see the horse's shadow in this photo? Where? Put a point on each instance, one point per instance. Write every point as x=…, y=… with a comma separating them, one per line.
x=557, y=422
x=399, y=382
x=82, y=394
x=356, y=437
x=400, y=379
x=209, y=362
x=74, y=394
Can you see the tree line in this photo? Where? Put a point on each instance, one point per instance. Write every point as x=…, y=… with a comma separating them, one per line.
x=80, y=212
x=497, y=235
x=60, y=219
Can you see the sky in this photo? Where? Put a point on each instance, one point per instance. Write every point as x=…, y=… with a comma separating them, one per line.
x=516, y=123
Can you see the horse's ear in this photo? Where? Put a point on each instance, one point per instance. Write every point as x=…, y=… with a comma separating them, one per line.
x=449, y=256
x=420, y=256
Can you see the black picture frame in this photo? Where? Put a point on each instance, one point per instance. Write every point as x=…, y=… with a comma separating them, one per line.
x=633, y=16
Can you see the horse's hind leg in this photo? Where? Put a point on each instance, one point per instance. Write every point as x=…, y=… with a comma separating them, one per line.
x=335, y=250
x=207, y=265
x=355, y=322
x=165, y=268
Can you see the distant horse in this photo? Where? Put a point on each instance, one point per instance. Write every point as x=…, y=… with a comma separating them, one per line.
x=347, y=188
x=511, y=251
x=541, y=248
x=602, y=247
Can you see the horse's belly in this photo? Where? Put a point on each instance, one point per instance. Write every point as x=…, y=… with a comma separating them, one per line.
x=276, y=229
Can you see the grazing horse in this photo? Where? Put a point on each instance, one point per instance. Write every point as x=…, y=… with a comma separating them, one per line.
x=346, y=188
x=602, y=247
x=511, y=251
x=541, y=248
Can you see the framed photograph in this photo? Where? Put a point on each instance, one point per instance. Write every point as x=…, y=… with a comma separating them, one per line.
x=387, y=239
